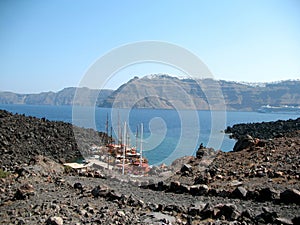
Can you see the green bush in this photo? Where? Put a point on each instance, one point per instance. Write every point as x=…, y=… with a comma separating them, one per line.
x=4, y=174
x=68, y=169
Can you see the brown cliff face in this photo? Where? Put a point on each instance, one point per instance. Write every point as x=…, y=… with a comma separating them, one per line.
x=66, y=96
x=168, y=92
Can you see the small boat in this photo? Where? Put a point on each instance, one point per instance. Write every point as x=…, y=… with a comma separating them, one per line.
x=127, y=158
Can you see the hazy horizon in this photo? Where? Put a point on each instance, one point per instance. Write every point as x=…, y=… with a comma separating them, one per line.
x=172, y=75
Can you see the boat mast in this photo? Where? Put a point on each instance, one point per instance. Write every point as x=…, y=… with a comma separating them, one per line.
x=128, y=137
x=141, y=144
x=107, y=139
x=119, y=133
x=106, y=128
x=111, y=138
x=136, y=137
x=124, y=149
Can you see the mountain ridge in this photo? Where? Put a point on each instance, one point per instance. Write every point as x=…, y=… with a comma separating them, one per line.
x=164, y=91
x=86, y=97
x=161, y=91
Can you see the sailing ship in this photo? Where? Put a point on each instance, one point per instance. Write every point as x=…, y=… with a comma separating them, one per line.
x=125, y=157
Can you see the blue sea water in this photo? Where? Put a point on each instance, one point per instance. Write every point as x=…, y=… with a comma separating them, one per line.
x=168, y=134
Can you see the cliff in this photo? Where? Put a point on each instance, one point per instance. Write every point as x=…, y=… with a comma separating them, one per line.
x=162, y=91
x=166, y=92
x=63, y=97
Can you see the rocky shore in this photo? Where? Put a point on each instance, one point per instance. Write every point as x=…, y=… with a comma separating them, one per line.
x=265, y=130
x=258, y=184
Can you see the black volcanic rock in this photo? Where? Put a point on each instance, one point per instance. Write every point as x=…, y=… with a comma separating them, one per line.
x=22, y=138
x=244, y=142
x=41, y=192
x=290, y=196
x=264, y=130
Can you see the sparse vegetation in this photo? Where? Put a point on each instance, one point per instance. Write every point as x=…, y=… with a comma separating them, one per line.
x=4, y=174
x=67, y=169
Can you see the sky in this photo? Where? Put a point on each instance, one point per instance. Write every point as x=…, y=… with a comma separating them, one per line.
x=48, y=45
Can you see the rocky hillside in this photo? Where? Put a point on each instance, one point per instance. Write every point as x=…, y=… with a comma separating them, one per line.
x=63, y=97
x=163, y=91
x=22, y=138
x=256, y=185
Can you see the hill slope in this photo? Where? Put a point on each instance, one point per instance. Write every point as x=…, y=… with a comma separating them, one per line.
x=166, y=92
x=162, y=91
x=63, y=97
x=22, y=138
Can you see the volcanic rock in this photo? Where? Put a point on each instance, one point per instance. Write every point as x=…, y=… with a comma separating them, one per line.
x=290, y=196
x=244, y=142
x=239, y=192
x=24, y=192
x=54, y=220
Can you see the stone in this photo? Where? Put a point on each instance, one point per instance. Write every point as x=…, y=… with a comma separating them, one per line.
x=208, y=211
x=239, y=192
x=174, y=185
x=196, y=209
x=121, y=213
x=158, y=218
x=154, y=207
x=267, y=194
x=247, y=214
x=132, y=201
x=54, y=220
x=78, y=186
x=183, y=188
x=219, y=176
x=201, y=179
x=186, y=168
x=199, y=189
x=161, y=186
x=203, y=151
x=267, y=216
x=290, y=196
x=24, y=192
x=113, y=195
x=222, y=193
x=278, y=174
x=229, y=211
x=96, y=191
x=100, y=191
x=236, y=183
x=283, y=221
x=244, y=142
x=296, y=220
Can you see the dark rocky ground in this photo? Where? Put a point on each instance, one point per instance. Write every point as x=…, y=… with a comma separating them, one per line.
x=265, y=130
x=258, y=184
x=22, y=137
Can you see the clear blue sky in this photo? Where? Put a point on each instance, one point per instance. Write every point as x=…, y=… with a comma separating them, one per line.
x=49, y=45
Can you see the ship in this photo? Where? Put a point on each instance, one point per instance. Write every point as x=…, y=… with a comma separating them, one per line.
x=126, y=158
x=279, y=109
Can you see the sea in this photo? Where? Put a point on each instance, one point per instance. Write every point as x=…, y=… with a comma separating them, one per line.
x=167, y=134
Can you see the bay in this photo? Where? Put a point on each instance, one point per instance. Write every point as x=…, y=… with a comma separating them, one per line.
x=168, y=134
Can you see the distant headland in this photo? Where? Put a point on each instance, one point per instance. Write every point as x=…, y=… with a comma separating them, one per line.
x=167, y=92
